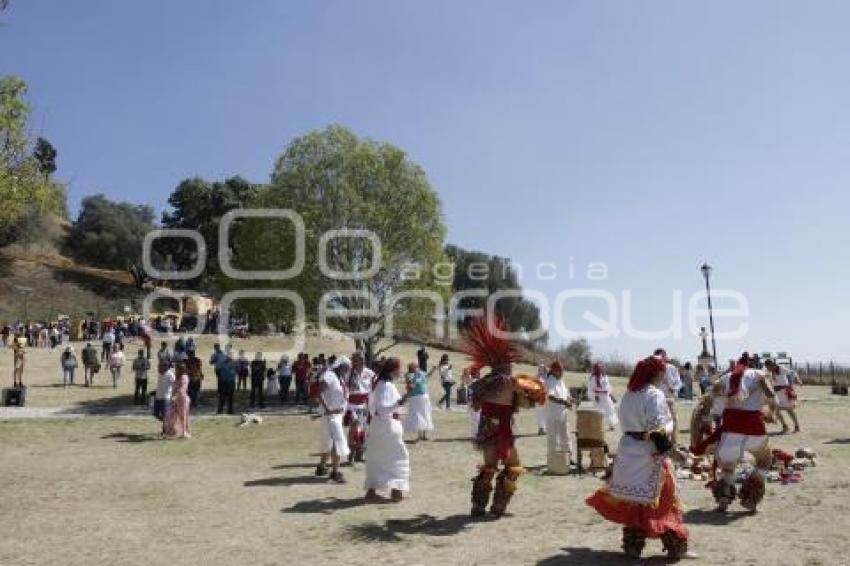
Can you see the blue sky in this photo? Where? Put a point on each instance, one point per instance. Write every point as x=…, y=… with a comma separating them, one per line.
x=646, y=135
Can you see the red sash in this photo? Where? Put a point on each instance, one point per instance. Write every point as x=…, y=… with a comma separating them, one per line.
x=750, y=423
x=358, y=398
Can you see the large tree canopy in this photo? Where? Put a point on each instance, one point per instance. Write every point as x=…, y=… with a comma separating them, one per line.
x=491, y=274
x=110, y=234
x=25, y=186
x=336, y=180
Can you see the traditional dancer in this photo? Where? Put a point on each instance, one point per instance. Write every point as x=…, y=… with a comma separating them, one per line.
x=670, y=386
x=176, y=423
x=557, y=427
x=356, y=416
x=418, y=403
x=332, y=397
x=786, y=397
x=599, y=391
x=746, y=391
x=641, y=494
x=498, y=395
x=540, y=410
x=388, y=466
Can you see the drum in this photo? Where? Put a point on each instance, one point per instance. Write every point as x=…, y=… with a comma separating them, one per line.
x=534, y=390
x=590, y=423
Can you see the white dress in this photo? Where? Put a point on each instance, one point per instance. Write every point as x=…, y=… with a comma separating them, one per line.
x=388, y=465
x=599, y=391
x=557, y=427
x=332, y=435
x=418, y=406
x=638, y=469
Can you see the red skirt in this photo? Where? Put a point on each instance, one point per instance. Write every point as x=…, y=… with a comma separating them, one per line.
x=495, y=429
x=652, y=521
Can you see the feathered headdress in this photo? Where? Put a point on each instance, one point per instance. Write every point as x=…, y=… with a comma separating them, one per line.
x=487, y=347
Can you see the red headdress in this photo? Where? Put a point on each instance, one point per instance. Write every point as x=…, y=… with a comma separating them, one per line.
x=645, y=372
x=487, y=347
x=738, y=373
x=597, y=373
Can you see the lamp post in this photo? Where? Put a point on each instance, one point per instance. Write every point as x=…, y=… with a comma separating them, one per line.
x=706, y=273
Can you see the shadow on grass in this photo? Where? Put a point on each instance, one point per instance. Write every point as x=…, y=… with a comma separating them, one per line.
x=276, y=482
x=713, y=517
x=325, y=505
x=838, y=441
x=131, y=437
x=292, y=466
x=588, y=556
x=423, y=524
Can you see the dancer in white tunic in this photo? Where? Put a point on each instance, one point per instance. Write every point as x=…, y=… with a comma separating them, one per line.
x=418, y=403
x=784, y=381
x=388, y=466
x=557, y=427
x=746, y=391
x=540, y=410
x=332, y=401
x=641, y=494
x=671, y=385
x=359, y=385
x=599, y=391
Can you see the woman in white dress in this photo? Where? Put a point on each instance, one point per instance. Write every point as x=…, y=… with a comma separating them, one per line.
x=418, y=403
x=599, y=391
x=388, y=465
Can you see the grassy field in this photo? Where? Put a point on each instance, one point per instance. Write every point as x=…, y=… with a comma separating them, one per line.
x=99, y=490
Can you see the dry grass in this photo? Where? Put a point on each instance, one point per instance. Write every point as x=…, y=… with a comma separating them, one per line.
x=104, y=490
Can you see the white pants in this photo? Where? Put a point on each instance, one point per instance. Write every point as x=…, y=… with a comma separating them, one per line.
x=558, y=447
x=732, y=447
x=333, y=437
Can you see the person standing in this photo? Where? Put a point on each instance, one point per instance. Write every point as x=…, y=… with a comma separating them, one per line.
x=418, y=403
x=108, y=340
x=176, y=423
x=301, y=369
x=163, y=356
x=226, y=377
x=196, y=377
x=68, y=364
x=357, y=413
x=258, y=379
x=141, y=366
x=671, y=386
x=540, y=410
x=332, y=399
x=116, y=362
x=18, y=360
x=422, y=358
x=688, y=381
x=447, y=380
x=284, y=376
x=388, y=466
x=164, y=386
x=91, y=365
x=557, y=407
x=600, y=392
x=243, y=370
x=641, y=494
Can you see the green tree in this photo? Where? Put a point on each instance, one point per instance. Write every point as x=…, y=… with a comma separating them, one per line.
x=25, y=188
x=110, y=234
x=338, y=181
x=476, y=270
x=197, y=204
x=45, y=156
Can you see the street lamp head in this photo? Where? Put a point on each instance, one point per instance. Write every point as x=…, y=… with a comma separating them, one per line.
x=706, y=270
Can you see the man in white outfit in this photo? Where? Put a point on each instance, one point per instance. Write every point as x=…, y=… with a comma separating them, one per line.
x=333, y=399
x=670, y=386
x=557, y=426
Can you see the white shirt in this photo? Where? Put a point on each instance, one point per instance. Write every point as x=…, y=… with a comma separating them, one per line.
x=361, y=381
x=108, y=337
x=750, y=396
x=604, y=385
x=645, y=410
x=783, y=378
x=164, y=384
x=555, y=387
x=383, y=401
x=333, y=393
x=672, y=381
x=116, y=359
x=446, y=374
